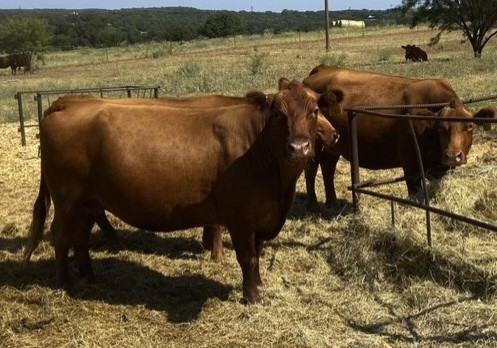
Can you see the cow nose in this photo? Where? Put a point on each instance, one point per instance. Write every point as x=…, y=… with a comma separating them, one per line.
x=301, y=148
x=336, y=136
x=460, y=158
x=455, y=159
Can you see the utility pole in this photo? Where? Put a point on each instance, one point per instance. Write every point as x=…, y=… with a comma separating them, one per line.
x=327, y=25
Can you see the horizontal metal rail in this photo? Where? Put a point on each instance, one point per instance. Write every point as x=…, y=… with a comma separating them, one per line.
x=478, y=223
x=38, y=97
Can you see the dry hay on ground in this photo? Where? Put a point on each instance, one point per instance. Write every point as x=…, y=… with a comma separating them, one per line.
x=334, y=279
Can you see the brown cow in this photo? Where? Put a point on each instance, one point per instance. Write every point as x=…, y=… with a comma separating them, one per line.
x=165, y=169
x=212, y=235
x=385, y=143
x=415, y=53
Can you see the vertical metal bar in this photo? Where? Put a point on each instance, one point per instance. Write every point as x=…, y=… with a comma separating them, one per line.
x=128, y=91
x=423, y=182
x=21, y=118
x=354, y=157
x=40, y=106
x=156, y=92
x=327, y=25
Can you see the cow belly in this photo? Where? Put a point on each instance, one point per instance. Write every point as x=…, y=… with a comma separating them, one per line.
x=373, y=155
x=165, y=217
x=157, y=202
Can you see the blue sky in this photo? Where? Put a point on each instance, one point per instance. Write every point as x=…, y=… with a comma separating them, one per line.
x=235, y=5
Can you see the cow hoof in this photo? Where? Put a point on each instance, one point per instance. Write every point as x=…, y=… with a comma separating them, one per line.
x=217, y=256
x=313, y=207
x=245, y=301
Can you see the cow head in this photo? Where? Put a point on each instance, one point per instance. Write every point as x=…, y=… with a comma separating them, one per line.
x=456, y=138
x=297, y=121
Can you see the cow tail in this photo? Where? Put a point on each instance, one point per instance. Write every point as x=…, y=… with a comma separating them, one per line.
x=40, y=211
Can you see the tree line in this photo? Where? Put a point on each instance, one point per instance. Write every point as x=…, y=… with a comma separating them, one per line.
x=107, y=28
x=34, y=30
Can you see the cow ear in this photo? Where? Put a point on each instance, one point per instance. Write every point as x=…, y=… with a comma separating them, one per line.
x=256, y=97
x=488, y=113
x=283, y=83
x=421, y=125
x=330, y=102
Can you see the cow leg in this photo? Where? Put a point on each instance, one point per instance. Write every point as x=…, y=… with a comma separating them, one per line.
x=328, y=167
x=104, y=224
x=311, y=170
x=83, y=222
x=212, y=239
x=244, y=243
x=259, y=243
x=413, y=180
x=62, y=245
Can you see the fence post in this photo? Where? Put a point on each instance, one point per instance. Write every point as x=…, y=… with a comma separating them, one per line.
x=354, y=157
x=18, y=96
x=40, y=107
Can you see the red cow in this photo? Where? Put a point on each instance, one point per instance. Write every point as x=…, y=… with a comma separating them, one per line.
x=164, y=169
x=384, y=143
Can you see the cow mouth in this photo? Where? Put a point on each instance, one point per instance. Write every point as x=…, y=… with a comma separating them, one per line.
x=454, y=160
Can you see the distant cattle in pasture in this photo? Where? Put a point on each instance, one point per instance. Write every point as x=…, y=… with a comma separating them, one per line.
x=16, y=61
x=415, y=53
x=20, y=60
x=4, y=62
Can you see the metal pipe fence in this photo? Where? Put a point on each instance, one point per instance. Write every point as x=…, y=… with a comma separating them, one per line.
x=40, y=95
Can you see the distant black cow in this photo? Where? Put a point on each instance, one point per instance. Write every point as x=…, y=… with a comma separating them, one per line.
x=20, y=60
x=4, y=62
x=16, y=61
x=415, y=53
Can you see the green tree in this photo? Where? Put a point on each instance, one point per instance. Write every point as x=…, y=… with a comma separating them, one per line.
x=222, y=24
x=24, y=35
x=477, y=19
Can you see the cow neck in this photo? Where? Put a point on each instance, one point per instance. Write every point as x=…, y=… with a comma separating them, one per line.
x=279, y=174
x=262, y=158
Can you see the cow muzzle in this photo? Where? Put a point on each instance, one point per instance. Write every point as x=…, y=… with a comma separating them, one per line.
x=454, y=159
x=300, y=148
x=335, y=138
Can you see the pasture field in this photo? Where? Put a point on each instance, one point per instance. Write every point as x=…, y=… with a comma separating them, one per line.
x=331, y=279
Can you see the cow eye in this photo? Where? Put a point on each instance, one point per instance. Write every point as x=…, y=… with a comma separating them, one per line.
x=469, y=127
x=314, y=113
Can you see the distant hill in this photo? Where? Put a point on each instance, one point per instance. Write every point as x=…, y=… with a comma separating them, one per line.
x=96, y=27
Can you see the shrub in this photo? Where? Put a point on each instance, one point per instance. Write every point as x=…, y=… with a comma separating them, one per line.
x=333, y=59
x=256, y=62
